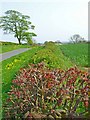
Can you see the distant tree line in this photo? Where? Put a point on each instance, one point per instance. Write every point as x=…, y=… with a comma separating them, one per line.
x=76, y=38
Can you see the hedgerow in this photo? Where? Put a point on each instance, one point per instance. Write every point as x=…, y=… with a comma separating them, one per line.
x=52, y=56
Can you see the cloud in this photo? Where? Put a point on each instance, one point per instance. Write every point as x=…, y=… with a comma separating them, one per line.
x=45, y=1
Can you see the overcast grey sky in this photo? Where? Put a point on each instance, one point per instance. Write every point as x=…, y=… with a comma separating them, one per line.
x=53, y=19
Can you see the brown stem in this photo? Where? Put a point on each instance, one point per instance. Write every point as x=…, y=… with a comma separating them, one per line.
x=65, y=103
x=75, y=106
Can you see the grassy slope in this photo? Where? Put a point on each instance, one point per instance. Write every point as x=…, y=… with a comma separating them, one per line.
x=78, y=53
x=11, y=66
x=6, y=48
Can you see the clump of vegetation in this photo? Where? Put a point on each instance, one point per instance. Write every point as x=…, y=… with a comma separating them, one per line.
x=37, y=90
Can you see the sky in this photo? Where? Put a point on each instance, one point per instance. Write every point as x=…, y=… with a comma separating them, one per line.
x=53, y=19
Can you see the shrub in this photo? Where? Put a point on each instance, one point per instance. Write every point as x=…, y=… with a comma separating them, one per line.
x=54, y=93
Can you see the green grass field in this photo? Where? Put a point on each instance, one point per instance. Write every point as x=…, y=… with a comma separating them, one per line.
x=7, y=48
x=77, y=53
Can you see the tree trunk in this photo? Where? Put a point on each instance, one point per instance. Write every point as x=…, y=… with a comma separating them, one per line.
x=19, y=41
x=17, y=35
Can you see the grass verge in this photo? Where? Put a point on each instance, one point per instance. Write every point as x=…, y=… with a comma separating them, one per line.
x=11, y=66
x=7, y=48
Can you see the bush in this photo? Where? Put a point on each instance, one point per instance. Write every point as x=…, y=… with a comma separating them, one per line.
x=52, y=93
